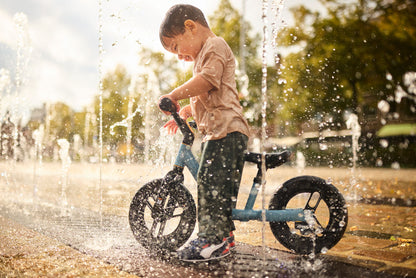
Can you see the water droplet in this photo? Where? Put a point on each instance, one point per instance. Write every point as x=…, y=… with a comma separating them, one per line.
x=395, y=165
x=379, y=162
x=383, y=106
x=384, y=143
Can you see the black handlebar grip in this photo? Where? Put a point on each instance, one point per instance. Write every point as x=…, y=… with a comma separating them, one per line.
x=167, y=105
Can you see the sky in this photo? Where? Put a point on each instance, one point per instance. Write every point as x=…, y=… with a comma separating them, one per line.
x=55, y=51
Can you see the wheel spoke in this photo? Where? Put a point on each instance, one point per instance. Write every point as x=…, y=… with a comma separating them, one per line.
x=154, y=225
x=171, y=205
x=318, y=223
x=148, y=204
x=161, y=228
x=176, y=215
x=315, y=206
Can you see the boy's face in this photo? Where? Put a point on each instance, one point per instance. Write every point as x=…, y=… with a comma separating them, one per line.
x=186, y=45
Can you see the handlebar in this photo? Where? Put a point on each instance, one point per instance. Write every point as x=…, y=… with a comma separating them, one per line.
x=167, y=105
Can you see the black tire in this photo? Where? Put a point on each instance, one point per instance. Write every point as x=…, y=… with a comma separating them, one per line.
x=165, y=231
x=329, y=218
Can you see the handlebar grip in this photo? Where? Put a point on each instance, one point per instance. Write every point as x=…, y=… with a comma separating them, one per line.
x=167, y=105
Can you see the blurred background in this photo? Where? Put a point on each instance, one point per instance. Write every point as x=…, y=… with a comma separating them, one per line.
x=91, y=71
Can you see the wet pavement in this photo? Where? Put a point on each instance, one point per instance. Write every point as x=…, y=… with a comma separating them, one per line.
x=39, y=235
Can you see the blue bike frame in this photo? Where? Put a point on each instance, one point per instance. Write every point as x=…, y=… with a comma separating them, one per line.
x=185, y=158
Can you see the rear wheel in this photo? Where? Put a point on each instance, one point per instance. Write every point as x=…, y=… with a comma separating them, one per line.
x=162, y=224
x=325, y=212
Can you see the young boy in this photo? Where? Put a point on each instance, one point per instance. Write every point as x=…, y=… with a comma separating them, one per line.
x=215, y=107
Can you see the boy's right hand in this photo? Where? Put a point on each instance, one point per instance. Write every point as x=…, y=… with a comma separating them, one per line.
x=178, y=107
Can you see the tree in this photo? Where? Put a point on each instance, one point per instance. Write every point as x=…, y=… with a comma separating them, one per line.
x=348, y=58
x=60, y=121
x=133, y=97
x=114, y=108
x=226, y=22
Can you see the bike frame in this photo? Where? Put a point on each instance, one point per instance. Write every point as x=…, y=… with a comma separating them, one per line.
x=186, y=158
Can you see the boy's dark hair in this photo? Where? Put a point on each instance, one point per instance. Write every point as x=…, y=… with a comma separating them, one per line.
x=174, y=22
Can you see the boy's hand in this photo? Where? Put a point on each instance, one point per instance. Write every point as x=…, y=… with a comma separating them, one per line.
x=178, y=107
x=171, y=126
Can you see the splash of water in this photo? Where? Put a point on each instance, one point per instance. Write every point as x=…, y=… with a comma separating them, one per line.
x=77, y=146
x=66, y=163
x=100, y=87
x=300, y=161
x=241, y=72
x=352, y=123
x=130, y=115
x=264, y=123
x=277, y=24
x=153, y=87
x=90, y=125
x=166, y=148
x=409, y=81
x=24, y=50
x=277, y=8
x=5, y=89
x=37, y=135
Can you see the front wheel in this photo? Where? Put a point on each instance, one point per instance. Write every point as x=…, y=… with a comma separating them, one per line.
x=162, y=224
x=326, y=215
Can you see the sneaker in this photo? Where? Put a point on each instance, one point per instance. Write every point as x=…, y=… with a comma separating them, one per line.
x=231, y=241
x=200, y=250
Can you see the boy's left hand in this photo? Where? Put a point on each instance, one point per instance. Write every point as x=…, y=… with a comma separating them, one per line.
x=171, y=126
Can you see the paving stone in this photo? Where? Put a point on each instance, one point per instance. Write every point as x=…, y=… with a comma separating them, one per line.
x=384, y=255
x=364, y=242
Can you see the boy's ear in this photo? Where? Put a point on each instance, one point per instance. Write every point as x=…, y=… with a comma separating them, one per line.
x=190, y=24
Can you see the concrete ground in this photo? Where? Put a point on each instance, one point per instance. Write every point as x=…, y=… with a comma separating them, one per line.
x=380, y=235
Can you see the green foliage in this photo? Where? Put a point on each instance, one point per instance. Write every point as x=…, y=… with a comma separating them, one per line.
x=115, y=100
x=344, y=57
x=61, y=120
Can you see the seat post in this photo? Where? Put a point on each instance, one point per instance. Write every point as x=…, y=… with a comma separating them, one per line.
x=254, y=189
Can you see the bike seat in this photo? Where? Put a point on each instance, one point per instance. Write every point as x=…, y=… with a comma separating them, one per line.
x=272, y=159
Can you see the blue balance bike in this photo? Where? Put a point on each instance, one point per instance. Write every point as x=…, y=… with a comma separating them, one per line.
x=306, y=215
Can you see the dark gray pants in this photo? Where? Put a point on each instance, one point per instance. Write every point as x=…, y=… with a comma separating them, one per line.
x=219, y=177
